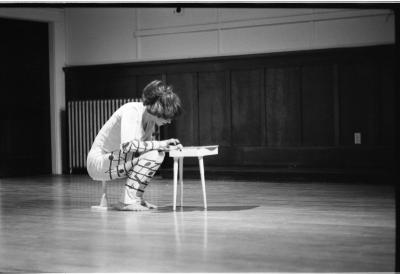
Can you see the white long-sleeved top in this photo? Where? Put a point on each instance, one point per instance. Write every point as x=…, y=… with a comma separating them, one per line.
x=123, y=130
x=123, y=126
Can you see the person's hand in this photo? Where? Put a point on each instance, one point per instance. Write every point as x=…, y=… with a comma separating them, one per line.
x=177, y=147
x=171, y=144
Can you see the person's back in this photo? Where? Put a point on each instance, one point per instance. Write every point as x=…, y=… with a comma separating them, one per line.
x=110, y=136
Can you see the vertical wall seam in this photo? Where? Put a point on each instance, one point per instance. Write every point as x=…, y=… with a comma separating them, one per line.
x=263, y=106
x=138, y=38
x=336, y=104
x=218, y=33
x=196, y=79
x=300, y=75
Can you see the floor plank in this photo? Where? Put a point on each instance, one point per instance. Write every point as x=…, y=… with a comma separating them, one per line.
x=46, y=225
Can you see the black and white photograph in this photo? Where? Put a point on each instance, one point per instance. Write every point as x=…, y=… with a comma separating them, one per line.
x=199, y=137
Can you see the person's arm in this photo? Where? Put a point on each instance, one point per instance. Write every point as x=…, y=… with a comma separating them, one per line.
x=144, y=146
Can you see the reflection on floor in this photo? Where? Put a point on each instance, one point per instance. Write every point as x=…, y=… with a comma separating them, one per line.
x=46, y=225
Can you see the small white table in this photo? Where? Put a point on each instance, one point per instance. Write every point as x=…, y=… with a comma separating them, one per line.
x=194, y=151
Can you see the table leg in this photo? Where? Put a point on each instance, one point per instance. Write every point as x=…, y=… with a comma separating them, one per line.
x=175, y=181
x=181, y=178
x=203, y=181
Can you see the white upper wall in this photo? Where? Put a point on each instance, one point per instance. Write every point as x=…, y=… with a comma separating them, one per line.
x=112, y=35
x=100, y=35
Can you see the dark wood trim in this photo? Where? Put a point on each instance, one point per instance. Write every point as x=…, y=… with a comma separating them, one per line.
x=288, y=134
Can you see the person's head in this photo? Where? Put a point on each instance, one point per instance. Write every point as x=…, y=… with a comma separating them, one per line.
x=161, y=102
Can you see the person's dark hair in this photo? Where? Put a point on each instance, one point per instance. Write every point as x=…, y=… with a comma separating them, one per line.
x=161, y=101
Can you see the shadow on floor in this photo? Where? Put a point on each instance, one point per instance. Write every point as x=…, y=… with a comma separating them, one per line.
x=200, y=208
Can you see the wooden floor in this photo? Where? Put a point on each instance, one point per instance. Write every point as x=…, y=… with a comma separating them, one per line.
x=46, y=225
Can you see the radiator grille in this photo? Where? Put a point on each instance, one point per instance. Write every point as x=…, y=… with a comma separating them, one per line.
x=85, y=119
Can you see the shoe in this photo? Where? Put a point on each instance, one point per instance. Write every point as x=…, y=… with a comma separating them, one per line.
x=131, y=207
x=148, y=205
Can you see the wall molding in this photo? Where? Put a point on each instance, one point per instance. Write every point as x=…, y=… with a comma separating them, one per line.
x=325, y=15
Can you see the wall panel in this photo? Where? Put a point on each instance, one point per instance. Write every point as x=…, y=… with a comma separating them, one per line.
x=254, y=39
x=185, y=128
x=288, y=109
x=346, y=31
x=283, y=106
x=317, y=105
x=179, y=45
x=387, y=104
x=104, y=84
x=246, y=107
x=358, y=93
x=214, y=124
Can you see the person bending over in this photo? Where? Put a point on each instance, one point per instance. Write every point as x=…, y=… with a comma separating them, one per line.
x=124, y=147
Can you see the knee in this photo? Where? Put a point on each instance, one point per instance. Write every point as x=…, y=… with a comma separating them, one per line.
x=154, y=155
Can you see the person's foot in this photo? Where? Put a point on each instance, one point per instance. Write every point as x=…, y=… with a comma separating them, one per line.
x=137, y=206
x=148, y=205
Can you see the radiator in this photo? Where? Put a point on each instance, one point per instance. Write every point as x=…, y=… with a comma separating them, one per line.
x=85, y=119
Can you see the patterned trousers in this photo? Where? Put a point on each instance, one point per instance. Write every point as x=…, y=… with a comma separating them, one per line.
x=139, y=169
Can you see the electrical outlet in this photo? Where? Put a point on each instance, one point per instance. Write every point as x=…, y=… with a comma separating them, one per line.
x=357, y=138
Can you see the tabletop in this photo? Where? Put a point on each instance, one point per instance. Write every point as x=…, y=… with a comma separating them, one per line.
x=194, y=151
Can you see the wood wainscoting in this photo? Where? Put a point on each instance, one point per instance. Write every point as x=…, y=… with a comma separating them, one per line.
x=288, y=109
